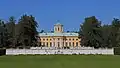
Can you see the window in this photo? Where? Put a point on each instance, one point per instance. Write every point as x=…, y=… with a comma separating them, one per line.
x=54, y=43
x=76, y=39
x=43, y=39
x=47, y=44
x=43, y=43
x=73, y=43
x=69, y=43
x=50, y=39
x=58, y=44
x=66, y=44
x=73, y=39
x=50, y=44
x=66, y=39
x=40, y=43
x=69, y=39
x=58, y=38
x=77, y=44
x=47, y=39
x=63, y=43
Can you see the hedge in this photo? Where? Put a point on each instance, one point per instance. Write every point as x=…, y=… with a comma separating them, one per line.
x=117, y=51
x=2, y=52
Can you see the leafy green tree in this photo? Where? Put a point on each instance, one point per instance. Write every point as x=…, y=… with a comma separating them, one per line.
x=10, y=26
x=3, y=34
x=90, y=33
x=106, y=36
x=27, y=30
x=115, y=37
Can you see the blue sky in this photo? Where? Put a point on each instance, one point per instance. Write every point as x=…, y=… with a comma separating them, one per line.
x=71, y=13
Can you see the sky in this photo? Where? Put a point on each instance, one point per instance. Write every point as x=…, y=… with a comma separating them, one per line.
x=70, y=13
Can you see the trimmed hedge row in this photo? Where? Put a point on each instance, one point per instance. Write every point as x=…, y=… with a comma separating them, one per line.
x=2, y=52
x=117, y=51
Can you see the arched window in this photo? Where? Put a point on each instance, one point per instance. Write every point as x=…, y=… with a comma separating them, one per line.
x=69, y=43
x=58, y=28
x=76, y=44
x=73, y=43
x=54, y=43
x=66, y=44
x=44, y=43
x=55, y=28
x=47, y=44
x=58, y=38
x=50, y=44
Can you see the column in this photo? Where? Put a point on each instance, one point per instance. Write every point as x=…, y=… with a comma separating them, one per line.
x=61, y=42
x=56, y=42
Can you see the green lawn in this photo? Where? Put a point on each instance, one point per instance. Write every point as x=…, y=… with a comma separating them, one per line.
x=60, y=61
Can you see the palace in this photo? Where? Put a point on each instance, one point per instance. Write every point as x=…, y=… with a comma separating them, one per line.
x=59, y=38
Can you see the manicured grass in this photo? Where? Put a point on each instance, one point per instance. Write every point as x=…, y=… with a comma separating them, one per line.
x=60, y=61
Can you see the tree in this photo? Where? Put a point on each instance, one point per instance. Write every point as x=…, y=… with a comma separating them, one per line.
x=106, y=36
x=90, y=33
x=27, y=30
x=10, y=26
x=115, y=34
x=42, y=31
x=3, y=34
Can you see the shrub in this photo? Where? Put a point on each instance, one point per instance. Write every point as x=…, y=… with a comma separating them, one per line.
x=117, y=51
x=2, y=52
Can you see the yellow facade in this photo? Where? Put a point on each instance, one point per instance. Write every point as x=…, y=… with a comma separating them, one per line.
x=59, y=38
x=58, y=41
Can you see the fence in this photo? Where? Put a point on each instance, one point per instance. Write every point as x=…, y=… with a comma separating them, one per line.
x=59, y=51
